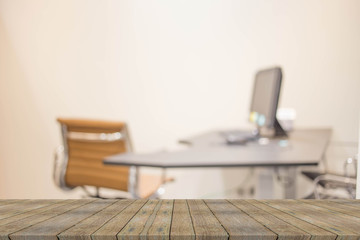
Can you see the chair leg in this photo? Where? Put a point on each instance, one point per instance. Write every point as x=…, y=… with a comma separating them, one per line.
x=97, y=194
x=89, y=194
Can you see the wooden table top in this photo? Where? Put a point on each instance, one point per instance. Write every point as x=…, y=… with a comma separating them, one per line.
x=179, y=219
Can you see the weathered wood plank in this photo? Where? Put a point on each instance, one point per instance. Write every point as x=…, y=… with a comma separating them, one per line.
x=150, y=221
x=283, y=229
x=340, y=219
x=137, y=224
x=49, y=229
x=315, y=232
x=7, y=229
x=330, y=221
x=109, y=230
x=20, y=207
x=181, y=225
x=237, y=223
x=84, y=229
x=10, y=201
x=35, y=211
x=206, y=225
x=347, y=202
x=160, y=228
x=9, y=206
x=338, y=207
x=180, y=219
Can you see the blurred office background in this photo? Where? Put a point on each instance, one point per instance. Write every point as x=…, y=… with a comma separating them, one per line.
x=170, y=69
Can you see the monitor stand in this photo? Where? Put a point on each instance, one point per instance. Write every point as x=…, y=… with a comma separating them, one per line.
x=279, y=131
x=243, y=137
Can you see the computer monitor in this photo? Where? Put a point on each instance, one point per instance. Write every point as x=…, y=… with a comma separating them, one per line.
x=265, y=100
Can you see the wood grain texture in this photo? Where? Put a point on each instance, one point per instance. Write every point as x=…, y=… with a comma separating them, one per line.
x=109, y=230
x=340, y=220
x=158, y=224
x=316, y=233
x=91, y=219
x=49, y=229
x=160, y=228
x=283, y=229
x=206, y=225
x=346, y=202
x=237, y=223
x=18, y=217
x=342, y=208
x=12, y=227
x=327, y=220
x=9, y=201
x=181, y=225
x=84, y=229
x=140, y=222
x=21, y=207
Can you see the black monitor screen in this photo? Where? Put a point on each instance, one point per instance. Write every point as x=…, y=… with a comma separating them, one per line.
x=265, y=97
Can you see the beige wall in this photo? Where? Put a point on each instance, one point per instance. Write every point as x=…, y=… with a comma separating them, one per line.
x=358, y=168
x=169, y=68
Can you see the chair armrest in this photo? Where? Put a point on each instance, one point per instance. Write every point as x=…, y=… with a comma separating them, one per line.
x=334, y=181
x=59, y=169
x=350, y=162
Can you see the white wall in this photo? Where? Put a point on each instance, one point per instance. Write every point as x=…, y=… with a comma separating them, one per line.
x=170, y=69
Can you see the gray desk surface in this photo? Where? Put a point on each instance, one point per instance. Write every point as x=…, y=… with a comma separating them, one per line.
x=303, y=147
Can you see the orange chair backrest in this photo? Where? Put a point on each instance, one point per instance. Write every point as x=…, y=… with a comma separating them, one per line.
x=86, y=143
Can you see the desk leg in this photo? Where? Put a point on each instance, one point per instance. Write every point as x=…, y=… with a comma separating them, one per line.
x=266, y=187
x=133, y=182
x=290, y=183
x=264, y=183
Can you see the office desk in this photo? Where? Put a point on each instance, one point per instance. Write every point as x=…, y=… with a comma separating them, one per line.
x=179, y=219
x=303, y=147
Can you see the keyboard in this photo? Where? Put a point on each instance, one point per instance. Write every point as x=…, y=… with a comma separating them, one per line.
x=238, y=137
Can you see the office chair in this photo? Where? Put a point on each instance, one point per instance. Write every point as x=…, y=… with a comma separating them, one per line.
x=79, y=162
x=332, y=186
